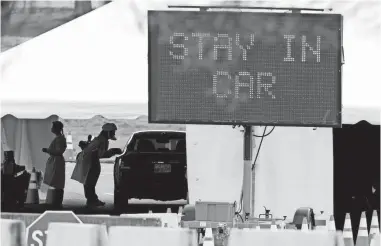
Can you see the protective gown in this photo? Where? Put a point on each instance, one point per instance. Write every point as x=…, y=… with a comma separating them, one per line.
x=88, y=167
x=55, y=166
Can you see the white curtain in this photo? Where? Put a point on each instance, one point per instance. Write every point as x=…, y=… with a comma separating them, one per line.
x=294, y=169
x=215, y=163
x=26, y=138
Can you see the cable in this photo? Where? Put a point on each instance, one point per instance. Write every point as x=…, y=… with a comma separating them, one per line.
x=238, y=215
x=241, y=202
x=265, y=135
x=260, y=145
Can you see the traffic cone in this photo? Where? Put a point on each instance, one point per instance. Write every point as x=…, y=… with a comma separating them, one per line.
x=304, y=225
x=180, y=215
x=331, y=224
x=180, y=211
x=273, y=226
x=257, y=227
x=169, y=210
x=375, y=240
x=362, y=236
x=339, y=240
x=347, y=232
x=150, y=211
x=374, y=233
x=200, y=239
x=374, y=227
x=32, y=196
x=208, y=239
x=69, y=154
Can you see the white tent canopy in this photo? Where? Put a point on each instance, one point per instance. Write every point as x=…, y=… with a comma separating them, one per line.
x=100, y=56
x=75, y=71
x=104, y=51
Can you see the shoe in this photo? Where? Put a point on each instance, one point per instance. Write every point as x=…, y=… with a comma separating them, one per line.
x=96, y=203
x=101, y=203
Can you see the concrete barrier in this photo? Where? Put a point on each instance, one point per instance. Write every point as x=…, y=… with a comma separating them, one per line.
x=139, y=236
x=280, y=238
x=167, y=219
x=12, y=232
x=91, y=219
x=63, y=234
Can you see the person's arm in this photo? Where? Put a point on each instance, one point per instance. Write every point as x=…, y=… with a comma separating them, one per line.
x=111, y=152
x=102, y=150
x=59, y=147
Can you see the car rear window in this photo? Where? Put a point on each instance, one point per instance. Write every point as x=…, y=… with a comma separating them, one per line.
x=143, y=144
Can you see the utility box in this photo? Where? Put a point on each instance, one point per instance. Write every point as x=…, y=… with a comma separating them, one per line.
x=215, y=211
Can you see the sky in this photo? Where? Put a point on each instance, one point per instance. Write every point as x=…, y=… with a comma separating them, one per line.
x=102, y=56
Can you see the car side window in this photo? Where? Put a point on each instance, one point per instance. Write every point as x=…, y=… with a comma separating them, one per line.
x=129, y=144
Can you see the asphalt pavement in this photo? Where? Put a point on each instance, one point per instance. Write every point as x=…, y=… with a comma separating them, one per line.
x=75, y=201
x=74, y=192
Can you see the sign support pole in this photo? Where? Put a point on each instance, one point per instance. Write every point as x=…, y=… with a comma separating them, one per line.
x=247, y=172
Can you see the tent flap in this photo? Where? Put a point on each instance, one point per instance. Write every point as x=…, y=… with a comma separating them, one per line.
x=26, y=137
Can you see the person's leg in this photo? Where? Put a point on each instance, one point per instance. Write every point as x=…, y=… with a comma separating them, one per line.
x=96, y=173
x=93, y=194
x=58, y=198
x=91, y=182
x=90, y=194
x=61, y=197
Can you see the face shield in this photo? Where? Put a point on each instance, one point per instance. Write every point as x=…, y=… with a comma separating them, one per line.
x=111, y=135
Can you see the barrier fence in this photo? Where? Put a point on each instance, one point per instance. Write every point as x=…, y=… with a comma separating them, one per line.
x=164, y=229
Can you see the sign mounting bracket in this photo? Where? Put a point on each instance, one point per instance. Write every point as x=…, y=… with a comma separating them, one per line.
x=208, y=7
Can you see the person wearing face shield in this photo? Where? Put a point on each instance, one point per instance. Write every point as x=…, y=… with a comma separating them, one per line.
x=88, y=167
x=55, y=165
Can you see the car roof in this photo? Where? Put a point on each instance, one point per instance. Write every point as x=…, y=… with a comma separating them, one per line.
x=155, y=133
x=174, y=131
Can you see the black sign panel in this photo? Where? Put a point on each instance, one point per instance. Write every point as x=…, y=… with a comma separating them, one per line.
x=245, y=68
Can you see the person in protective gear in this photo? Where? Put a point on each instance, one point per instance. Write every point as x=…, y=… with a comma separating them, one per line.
x=14, y=183
x=55, y=165
x=88, y=167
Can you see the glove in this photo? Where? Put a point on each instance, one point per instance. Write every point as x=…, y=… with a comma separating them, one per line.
x=115, y=151
x=45, y=150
